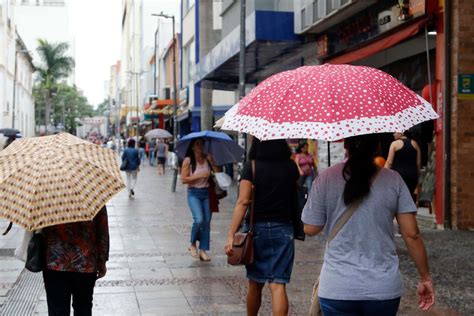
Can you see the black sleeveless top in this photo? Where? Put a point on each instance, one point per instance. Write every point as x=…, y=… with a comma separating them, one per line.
x=404, y=163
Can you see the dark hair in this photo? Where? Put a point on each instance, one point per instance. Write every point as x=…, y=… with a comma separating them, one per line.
x=359, y=168
x=131, y=143
x=190, y=153
x=277, y=149
x=299, y=149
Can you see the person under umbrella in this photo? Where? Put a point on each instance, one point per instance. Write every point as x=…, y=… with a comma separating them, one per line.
x=70, y=270
x=196, y=174
x=60, y=184
x=360, y=273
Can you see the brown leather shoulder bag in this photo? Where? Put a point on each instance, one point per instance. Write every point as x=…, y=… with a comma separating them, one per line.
x=242, y=247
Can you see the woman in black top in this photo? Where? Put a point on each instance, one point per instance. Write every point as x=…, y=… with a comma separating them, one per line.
x=405, y=158
x=275, y=181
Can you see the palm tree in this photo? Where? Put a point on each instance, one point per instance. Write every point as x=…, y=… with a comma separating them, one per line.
x=55, y=66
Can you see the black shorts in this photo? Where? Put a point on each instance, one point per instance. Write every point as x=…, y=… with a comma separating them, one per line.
x=161, y=160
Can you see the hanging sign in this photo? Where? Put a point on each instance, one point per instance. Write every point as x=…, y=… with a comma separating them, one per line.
x=466, y=87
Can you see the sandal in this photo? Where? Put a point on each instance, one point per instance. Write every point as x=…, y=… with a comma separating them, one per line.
x=204, y=257
x=193, y=251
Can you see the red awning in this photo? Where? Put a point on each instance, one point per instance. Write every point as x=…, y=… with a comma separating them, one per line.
x=379, y=45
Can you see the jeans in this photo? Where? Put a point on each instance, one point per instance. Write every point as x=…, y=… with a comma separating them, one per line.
x=142, y=153
x=359, y=308
x=152, y=157
x=198, y=200
x=131, y=180
x=307, y=181
x=60, y=286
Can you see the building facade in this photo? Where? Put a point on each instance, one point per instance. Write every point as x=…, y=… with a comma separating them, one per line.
x=16, y=76
x=428, y=46
x=202, y=30
x=131, y=64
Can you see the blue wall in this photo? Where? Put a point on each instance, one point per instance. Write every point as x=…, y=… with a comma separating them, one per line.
x=275, y=26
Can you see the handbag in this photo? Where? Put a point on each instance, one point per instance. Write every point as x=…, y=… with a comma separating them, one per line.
x=36, y=254
x=223, y=180
x=315, y=308
x=242, y=247
x=123, y=166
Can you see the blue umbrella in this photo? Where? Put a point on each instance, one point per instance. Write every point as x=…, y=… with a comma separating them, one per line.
x=222, y=148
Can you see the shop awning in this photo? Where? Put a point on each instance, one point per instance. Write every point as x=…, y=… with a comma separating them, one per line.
x=379, y=45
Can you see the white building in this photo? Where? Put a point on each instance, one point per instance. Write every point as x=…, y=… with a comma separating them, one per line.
x=47, y=19
x=16, y=100
x=131, y=68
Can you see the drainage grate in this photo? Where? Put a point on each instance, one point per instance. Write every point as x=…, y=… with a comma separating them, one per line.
x=24, y=295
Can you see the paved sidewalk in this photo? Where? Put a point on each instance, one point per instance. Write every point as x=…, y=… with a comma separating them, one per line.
x=150, y=271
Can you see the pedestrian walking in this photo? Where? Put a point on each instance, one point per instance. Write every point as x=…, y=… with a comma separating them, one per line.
x=161, y=154
x=306, y=166
x=196, y=172
x=152, y=146
x=132, y=166
x=405, y=157
x=275, y=181
x=142, y=149
x=354, y=203
x=76, y=256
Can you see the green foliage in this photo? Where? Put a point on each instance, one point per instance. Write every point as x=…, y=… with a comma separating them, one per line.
x=68, y=104
x=55, y=65
x=102, y=107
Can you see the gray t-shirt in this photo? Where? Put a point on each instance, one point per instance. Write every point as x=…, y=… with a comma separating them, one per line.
x=361, y=262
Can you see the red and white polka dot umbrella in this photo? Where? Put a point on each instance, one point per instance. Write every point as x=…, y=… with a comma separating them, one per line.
x=328, y=102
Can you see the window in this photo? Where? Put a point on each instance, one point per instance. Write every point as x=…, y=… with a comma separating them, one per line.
x=189, y=62
x=187, y=5
x=315, y=11
x=303, y=18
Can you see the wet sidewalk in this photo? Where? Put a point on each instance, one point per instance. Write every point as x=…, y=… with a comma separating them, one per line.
x=151, y=273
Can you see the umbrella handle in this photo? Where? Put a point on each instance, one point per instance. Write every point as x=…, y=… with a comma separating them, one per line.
x=8, y=228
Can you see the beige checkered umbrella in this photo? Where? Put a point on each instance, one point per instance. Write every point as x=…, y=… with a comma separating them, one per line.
x=57, y=179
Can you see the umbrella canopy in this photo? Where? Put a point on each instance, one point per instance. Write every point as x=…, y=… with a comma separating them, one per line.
x=222, y=148
x=56, y=179
x=9, y=131
x=328, y=102
x=158, y=133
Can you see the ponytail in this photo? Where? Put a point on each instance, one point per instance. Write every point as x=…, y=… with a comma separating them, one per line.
x=359, y=168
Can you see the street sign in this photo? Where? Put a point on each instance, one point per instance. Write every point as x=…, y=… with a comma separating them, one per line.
x=466, y=87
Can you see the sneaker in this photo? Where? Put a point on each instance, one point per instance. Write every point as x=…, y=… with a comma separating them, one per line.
x=132, y=193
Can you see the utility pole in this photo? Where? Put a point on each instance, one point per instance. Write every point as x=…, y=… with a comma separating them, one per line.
x=242, y=136
x=175, y=97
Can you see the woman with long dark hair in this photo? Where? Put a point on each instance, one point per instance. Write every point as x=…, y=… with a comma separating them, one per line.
x=360, y=273
x=195, y=172
x=276, y=177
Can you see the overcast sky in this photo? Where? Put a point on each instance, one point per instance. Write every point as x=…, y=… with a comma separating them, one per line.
x=96, y=27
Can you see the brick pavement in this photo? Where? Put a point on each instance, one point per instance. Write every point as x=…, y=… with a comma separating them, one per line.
x=150, y=272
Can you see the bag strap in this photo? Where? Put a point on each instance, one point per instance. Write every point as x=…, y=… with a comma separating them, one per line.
x=252, y=202
x=344, y=219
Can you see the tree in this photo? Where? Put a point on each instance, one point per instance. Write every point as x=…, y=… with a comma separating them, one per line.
x=102, y=107
x=68, y=106
x=55, y=66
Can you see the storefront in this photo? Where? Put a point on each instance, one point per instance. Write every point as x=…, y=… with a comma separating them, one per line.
x=400, y=39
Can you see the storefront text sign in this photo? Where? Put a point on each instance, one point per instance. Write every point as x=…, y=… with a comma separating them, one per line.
x=466, y=86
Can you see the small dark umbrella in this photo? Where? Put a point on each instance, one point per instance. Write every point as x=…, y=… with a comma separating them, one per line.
x=7, y=132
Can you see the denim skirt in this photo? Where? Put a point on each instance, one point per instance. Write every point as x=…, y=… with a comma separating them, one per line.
x=274, y=253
